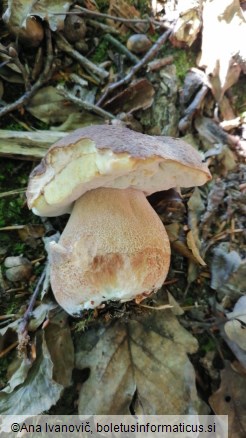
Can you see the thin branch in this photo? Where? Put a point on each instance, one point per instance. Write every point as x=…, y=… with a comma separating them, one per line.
x=85, y=105
x=15, y=58
x=148, y=56
x=44, y=77
x=87, y=12
x=28, y=313
x=121, y=48
x=64, y=45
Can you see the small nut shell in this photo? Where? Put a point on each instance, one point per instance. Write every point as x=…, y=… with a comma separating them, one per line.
x=138, y=43
x=31, y=35
x=19, y=268
x=74, y=28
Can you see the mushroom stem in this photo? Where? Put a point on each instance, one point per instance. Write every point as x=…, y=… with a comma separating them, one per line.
x=114, y=247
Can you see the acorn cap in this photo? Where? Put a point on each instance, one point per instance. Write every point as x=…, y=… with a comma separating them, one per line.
x=113, y=157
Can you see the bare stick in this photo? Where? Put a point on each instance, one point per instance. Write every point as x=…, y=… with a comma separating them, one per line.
x=102, y=26
x=87, y=12
x=85, y=105
x=121, y=48
x=44, y=77
x=64, y=45
x=28, y=313
x=148, y=56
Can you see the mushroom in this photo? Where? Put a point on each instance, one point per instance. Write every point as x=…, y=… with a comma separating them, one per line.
x=114, y=246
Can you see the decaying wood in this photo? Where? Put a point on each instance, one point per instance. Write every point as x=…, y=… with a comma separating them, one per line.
x=27, y=145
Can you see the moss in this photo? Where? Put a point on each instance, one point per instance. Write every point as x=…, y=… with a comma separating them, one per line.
x=103, y=5
x=238, y=91
x=101, y=52
x=13, y=126
x=184, y=59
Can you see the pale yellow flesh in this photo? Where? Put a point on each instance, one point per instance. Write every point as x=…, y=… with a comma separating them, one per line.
x=114, y=247
x=72, y=171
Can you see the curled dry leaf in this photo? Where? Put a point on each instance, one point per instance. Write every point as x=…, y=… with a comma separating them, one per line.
x=215, y=197
x=193, y=245
x=223, y=265
x=127, y=360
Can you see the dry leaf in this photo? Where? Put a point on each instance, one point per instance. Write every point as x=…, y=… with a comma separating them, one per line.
x=193, y=246
x=188, y=23
x=236, y=327
x=50, y=107
x=60, y=345
x=230, y=400
x=223, y=43
x=235, y=285
x=38, y=392
x=122, y=8
x=136, y=364
x=176, y=236
x=138, y=95
x=223, y=265
x=176, y=308
x=18, y=11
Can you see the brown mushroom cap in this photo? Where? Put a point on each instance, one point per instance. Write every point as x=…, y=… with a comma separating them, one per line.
x=113, y=157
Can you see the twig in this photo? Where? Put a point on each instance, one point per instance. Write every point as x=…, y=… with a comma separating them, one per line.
x=121, y=48
x=157, y=64
x=44, y=77
x=64, y=45
x=102, y=26
x=148, y=56
x=85, y=105
x=87, y=12
x=192, y=108
x=15, y=58
x=8, y=349
x=161, y=307
x=27, y=315
x=12, y=193
x=10, y=316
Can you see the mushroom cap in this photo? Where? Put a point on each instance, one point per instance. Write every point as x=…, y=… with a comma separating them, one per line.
x=113, y=157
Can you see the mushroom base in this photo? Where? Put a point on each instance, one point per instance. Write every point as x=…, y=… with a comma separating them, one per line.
x=114, y=247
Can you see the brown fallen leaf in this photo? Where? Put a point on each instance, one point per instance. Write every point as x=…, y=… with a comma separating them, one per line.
x=138, y=95
x=136, y=365
x=60, y=345
x=193, y=245
x=122, y=8
x=230, y=400
x=177, y=239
